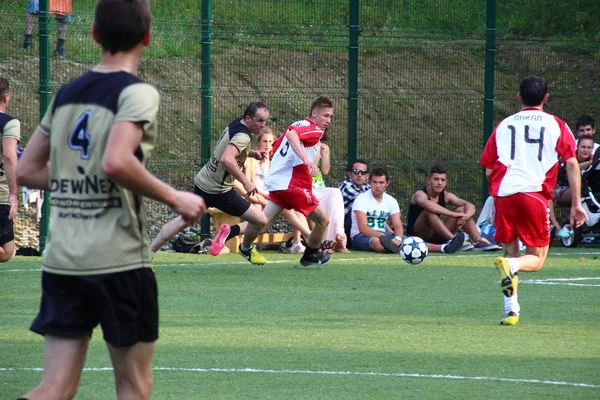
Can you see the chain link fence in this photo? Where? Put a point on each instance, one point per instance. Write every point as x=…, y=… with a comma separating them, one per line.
x=420, y=75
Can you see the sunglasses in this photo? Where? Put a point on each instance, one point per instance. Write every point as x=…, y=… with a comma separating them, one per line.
x=360, y=171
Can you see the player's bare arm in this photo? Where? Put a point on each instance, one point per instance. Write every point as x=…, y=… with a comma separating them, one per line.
x=363, y=225
x=453, y=199
x=420, y=198
x=397, y=226
x=9, y=150
x=32, y=170
x=296, y=145
x=578, y=215
x=229, y=161
x=122, y=166
x=259, y=155
x=325, y=156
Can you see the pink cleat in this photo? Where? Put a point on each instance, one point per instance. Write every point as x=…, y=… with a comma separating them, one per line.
x=219, y=240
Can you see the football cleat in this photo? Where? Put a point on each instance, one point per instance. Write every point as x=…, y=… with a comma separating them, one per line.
x=485, y=245
x=219, y=241
x=389, y=245
x=453, y=244
x=317, y=258
x=253, y=256
x=510, y=319
x=506, y=277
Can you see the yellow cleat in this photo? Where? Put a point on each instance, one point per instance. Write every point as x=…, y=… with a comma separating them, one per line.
x=253, y=256
x=510, y=319
x=506, y=277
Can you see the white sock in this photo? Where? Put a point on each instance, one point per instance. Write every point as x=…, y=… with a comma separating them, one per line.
x=512, y=304
x=514, y=264
x=244, y=248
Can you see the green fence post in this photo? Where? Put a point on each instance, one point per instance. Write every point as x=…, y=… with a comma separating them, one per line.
x=353, y=33
x=488, y=101
x=206, y=105
x=44, y=102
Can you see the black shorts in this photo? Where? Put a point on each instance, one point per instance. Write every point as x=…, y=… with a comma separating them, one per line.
x=125, y=304
x=229, y=202
x=7, y=233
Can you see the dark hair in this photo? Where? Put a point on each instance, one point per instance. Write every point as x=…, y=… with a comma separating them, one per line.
x=585, y=120
x=532, y=90
x=380, y=171
x=320, y=102
x=121, y=24
x=350, y=166
x=4, y=86
x=436, y=169
x=585, y=137
x=253, y=107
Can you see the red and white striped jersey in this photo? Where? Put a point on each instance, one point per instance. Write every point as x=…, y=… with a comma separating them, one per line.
x=523, y=153
x=287, y=169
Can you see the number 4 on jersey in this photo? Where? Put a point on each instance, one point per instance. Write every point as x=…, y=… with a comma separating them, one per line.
x=79, y=138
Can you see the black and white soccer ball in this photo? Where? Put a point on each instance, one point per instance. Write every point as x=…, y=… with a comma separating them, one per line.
x=413, y=250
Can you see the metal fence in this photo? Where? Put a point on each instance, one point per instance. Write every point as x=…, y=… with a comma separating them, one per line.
x=408, y=77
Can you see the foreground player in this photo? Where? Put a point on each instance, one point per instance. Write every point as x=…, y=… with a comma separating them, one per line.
x=90, y=152
x=289, y=182
x=521, y=165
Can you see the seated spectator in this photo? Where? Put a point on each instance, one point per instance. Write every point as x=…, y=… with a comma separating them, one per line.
x=370, y=212
x=332, y=202
x=355, y=184
x=562, y=192
x=586, y=126
x=428, y=205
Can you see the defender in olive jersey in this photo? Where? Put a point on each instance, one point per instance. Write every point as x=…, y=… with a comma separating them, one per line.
x=214, y=182
x=90, y=151
x=10, y=129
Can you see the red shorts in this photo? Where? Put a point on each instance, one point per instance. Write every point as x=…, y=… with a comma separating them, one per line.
x=301, y=200
x=525, y=216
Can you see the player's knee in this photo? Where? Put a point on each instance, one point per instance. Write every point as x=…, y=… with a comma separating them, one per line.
x=323, y=223
x=460, y=209
x=5, y=257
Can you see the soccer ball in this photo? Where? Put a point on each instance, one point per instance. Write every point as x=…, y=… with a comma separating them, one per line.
x=413, y=250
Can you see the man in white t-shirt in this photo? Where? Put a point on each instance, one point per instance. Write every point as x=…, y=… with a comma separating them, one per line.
x=521, y=162
x=370, y=212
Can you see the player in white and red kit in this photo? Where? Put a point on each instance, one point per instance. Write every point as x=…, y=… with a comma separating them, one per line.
x=521, y=162
x=289, y=182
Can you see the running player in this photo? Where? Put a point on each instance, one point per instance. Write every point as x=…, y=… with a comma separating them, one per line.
x=90, y=151
x=521, y=162
x=289, y=182
x=214, y=182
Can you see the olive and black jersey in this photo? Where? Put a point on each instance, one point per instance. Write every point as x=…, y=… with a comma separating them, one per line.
x=214, y=177
x=96, y=226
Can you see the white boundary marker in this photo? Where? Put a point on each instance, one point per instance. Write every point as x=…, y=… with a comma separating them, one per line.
x=563, y=281
x=343, y=373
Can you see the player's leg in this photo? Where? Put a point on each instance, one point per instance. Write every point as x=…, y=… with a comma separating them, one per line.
x=247, y=249
x=168, y=232
x=63, y=362
x=311, y=254
x=133, y=370
x=62, y=23
x=233, y=204
x=429, y=223
x=7, y=250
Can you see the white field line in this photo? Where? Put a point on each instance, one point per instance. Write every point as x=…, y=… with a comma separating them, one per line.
x=195, y=264
x=343, y=373
x=563, y=281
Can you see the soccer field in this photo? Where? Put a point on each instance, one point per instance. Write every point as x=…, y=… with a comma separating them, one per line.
x=363, y=326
